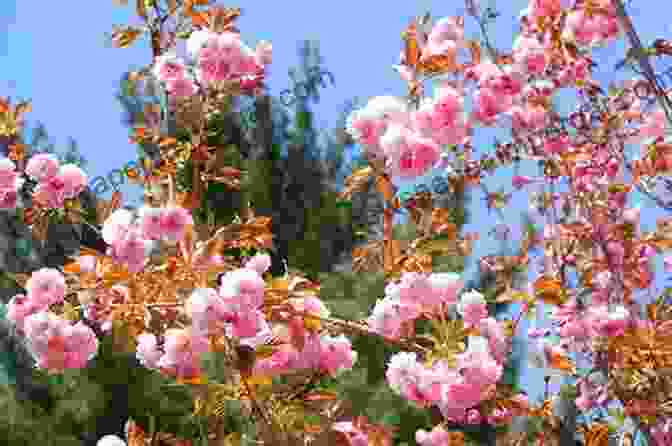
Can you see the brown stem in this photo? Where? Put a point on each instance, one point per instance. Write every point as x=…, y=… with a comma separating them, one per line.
x=405, y=344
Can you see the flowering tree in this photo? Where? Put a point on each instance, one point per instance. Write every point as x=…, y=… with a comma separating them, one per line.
x=271, y=344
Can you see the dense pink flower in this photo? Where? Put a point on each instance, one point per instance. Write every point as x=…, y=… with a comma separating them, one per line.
x=181, y=88
x=173, y=222
x=43, y=166
x=531, y=54
x=243, y=288
x=336, y=354
x=46, y=286
x=197, y=39
x=472, y=308
x=74, y=180
x=130, y=250
x=52, y=192
x=668, y=264
x=180, y=358
x=478, y=366
x=19, y=308
x=8, y=174
x=169, y=67
x=263, y=53
x=201, y=309
x=221, y=58
x=150, y=222
x=403, y=371
x=488, y=105
x=544, y=8
x=414, y=157
x=116, y=225
x=8, y=199
x=445, y=287
x=259, y=263
x=57, y=345
x=389, y=315
x=353, y=435
x=437, y=437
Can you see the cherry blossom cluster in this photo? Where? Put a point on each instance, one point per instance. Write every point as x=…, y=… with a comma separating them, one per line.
x=410, y=140
x=452, y=389
x=418, y=294
x=130, y=236
x=217, y=57
x=55, y=182
x=55, y=343
x=234, y=310
x=662, y=432
x=10, y=184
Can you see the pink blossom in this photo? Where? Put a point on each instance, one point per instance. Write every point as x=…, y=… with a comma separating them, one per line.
x=181, y=88
x=130, y=249
x=87, y=264
x=336, y=354
x=173, y=222
x=445, y=287
x=179, y=358
x=668, y=264
x=8, y=174
x=519, y=182
x=221, y=58
x=169, y=67
x=415, y=157
x=488, y=105
x=116, y=225
x=472, y=313
x=259, y=263
x=243, y=288
x=52, y=192
x=437, y=437
x=263, y=53
x=19, y=308
x=389, y=315
x=545, y=8
x=246, y=324
x=527, y=118
x=150, y=222
x=402, y=371
x=46, y=286
x=42, y=166
x=530, y=53
x=459, y=396
x=8, y=199
x=197, y=39
x=556, y=144
x=74, y=180
x=353, y=435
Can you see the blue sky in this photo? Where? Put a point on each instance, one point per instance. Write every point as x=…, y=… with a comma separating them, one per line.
x=55, y=53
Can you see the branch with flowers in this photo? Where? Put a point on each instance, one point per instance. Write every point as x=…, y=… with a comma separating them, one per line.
x=171, y=308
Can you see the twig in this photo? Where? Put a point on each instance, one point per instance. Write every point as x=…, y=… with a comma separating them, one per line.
x=643, y=59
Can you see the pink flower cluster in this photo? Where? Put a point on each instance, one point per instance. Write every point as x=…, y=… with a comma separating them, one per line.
x=661, y=432
x=234, y=310
x=327, y=354
x=219, y=57
x=56, y=183
x=10, y=183
x=409, y=140
x=454, y=390
x=407, y=300
x=130, y=238
x=55, y=343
